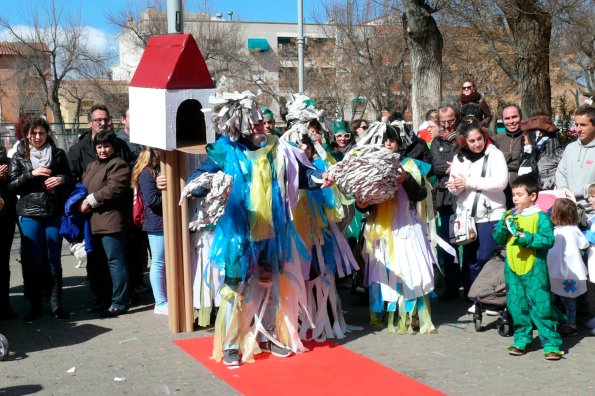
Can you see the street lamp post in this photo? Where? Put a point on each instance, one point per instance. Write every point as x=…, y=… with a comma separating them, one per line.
x=175, y=23
x=300, y=44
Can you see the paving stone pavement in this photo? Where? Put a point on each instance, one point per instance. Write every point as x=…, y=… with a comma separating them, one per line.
x=139, y=347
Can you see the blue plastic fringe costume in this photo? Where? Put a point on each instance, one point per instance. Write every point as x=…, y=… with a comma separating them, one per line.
x=258, y=249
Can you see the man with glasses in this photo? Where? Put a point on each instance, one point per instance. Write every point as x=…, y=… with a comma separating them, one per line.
x=82, y=153
x=444, y=147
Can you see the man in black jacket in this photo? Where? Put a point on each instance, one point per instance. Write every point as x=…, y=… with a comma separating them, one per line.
x=82, y=153
x=511, y=144
x=444, y=148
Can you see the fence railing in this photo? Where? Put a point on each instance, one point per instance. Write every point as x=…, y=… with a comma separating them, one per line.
x=63, y=139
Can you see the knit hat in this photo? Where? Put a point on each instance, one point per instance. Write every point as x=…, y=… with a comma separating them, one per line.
x=267, y=114
x=339, y=126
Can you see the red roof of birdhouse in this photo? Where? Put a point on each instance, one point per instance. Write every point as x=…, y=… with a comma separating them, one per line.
x=172, y=61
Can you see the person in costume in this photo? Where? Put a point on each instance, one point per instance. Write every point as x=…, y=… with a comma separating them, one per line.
x=568, y=274
x=528, y=234
x=316, y=215
x=399, y=271
x=255, y=244
x=268, y=120
x=343, y=138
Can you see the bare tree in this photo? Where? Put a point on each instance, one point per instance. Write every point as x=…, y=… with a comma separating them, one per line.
x=221, y=42
x=518, y=33
x=425, y=45
x=577, y=44
x=369, y=53
x=56, y=38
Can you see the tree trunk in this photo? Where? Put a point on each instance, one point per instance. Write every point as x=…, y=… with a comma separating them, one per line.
x=58, y=126
x=531, y=28
x=425, y=48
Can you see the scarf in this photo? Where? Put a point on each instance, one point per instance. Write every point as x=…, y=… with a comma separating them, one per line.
x=471, y=156
x=448, y=137
x=41, y=158
x=472, y=97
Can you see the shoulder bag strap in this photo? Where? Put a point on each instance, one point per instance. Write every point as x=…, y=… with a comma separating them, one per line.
x=477, y=193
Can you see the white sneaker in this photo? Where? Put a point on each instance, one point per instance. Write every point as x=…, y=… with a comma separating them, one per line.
x=591, y=323
x=471, y=310
x=161, y=310
x=489, y=312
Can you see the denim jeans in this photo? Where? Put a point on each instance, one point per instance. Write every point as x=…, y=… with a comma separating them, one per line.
x=477, y=253
x=41, y=246
x=109, y=250
x=157, y=272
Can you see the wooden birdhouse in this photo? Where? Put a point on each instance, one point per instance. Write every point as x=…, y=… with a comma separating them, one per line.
x=168, y=95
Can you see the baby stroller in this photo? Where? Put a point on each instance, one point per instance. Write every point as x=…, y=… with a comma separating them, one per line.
x=488, y=292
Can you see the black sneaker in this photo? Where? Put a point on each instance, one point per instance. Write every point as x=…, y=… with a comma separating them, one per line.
x=279, y=351
x=231, y=357
x=113, y=312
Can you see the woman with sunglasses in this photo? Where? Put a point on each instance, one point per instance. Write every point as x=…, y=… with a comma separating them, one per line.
x=343, y=138
x=470, y=95
x=358, y=128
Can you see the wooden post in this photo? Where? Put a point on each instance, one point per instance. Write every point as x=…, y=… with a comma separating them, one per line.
x=188, y=314
x=177, y=244
x=169, y=207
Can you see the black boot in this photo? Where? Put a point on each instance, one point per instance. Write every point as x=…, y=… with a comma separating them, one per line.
x=35, y=312
x=33, y=293
x=6, y=311
x=56, y=297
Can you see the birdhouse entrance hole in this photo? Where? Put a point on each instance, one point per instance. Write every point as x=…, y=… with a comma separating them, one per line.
x=191, y=129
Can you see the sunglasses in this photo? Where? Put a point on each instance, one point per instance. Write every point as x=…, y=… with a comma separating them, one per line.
x=343, y=136
x=467, y=87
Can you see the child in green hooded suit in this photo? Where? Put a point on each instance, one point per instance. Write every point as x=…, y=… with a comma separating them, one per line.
x=528, y=234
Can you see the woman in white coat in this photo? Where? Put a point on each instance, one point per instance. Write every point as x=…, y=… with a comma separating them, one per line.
x=468, y=184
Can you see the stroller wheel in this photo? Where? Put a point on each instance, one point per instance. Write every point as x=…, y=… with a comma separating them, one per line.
x=503, y=327
x=4, y=347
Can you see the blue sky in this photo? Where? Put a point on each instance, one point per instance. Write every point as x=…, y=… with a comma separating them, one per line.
x=92, y=12
x=102, y=35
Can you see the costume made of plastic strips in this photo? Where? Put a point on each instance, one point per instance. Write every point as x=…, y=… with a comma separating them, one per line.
x=321, y=218
x=399, y=271
x=255, y=244
x=212, y=191
x=316, y=215
x=425, y=208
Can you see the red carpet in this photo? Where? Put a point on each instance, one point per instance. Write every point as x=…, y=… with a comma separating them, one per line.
x=328, y=369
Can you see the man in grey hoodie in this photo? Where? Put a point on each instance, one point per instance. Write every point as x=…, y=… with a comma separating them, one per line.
x=576, y=170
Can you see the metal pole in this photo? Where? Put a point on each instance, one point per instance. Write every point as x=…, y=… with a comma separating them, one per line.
x=175, y=23
x=300, y=44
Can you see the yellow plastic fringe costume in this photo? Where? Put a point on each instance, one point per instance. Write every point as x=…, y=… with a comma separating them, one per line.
x=400, y=261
